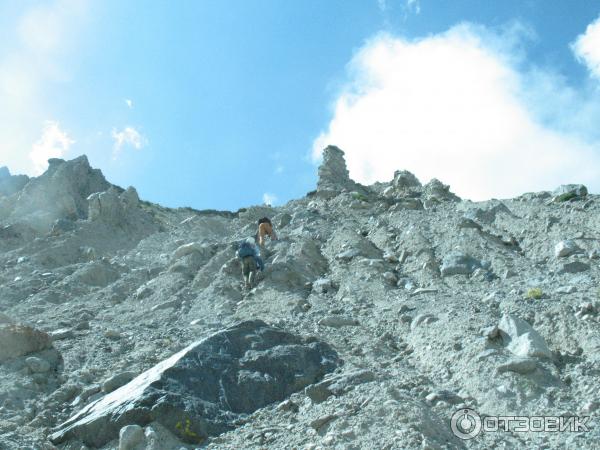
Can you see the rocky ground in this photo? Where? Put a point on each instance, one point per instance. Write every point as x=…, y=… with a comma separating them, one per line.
x=382, y=311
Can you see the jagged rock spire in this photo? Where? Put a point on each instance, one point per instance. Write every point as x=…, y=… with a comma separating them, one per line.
x=333, y=174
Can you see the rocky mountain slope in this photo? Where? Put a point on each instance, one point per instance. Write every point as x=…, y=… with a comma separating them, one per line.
x=383, y=310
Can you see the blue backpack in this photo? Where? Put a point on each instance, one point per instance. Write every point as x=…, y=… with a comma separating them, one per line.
x=246, y=249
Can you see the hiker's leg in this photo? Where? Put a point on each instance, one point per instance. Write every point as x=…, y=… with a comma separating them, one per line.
x=245, y=271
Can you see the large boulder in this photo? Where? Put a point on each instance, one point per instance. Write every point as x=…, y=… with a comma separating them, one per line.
x=403, y=179
x=438, y=191
x=20, y=340
x=206, y=388
x=112, y=206
x=521, y=339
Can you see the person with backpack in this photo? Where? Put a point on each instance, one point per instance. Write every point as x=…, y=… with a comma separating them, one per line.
x=265, y=228
x=249, y=255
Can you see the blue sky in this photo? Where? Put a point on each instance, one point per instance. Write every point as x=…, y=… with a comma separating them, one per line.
x=223, y=104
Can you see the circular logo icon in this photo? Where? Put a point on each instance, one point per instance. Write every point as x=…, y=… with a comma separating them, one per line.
x=465, y=423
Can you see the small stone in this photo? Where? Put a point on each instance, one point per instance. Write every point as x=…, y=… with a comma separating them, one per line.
x=288, y=406
x=347, y=255
x=422, y=319
x=335, y=321
x=61, y=333
x=491, y=333
x=443, y=395
x=566, y=248
x=130, y=436
x=390, y=278
x=322, y=285
x=518, y=365
x=112, y=334
x=320, y=422
x=423, y=291
x=459, y=264
x=590, y=407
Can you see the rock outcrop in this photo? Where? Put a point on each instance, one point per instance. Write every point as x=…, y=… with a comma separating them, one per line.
x=60, y=192
x=10, y=184
x=205, y=388
x=333, y=174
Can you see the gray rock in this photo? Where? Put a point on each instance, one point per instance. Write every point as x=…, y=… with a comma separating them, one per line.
x=521, y=339
x=322, y=285
x=19, y=340
x=566, y=248
x=130, y=436
x=518, y=365
x=61, y=333
x=205, y=388
x=422, y=319
x=347, y=255
x=60, y=192
x=459, y=264
x=574, y=267
x=487, y=214
x=333, y=174
x=436, y=190
x=444, y=395
x=407, y=203
x=335, y=321
x=338, y=385
x=321, y=421
x=403, y=179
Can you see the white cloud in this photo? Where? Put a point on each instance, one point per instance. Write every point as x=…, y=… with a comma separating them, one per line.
x=458, y=106
x=269, y=199
x=129, y=103
x=587, y=47
x=54, y=143
x=279, y=169
x=128, y=136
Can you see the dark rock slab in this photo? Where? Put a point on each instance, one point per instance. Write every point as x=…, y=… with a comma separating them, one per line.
x=207, y=387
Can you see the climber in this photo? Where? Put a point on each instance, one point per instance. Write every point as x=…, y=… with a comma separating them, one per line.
x=249, y=254
x=265, y=227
